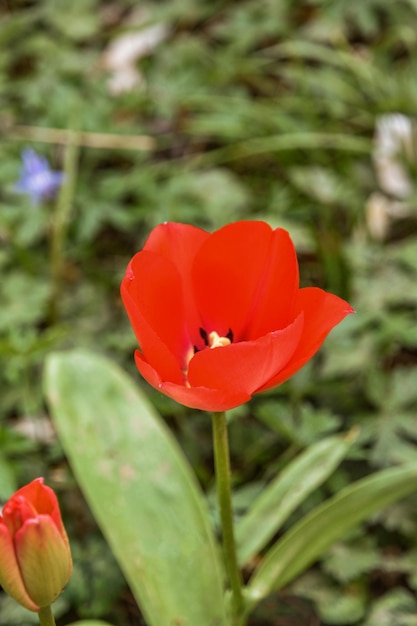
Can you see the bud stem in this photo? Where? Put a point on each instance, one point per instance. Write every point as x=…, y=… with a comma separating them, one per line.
x=46, y=617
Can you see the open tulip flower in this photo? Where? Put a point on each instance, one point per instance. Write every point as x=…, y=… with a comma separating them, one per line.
x=220, y=317
x=35, y=557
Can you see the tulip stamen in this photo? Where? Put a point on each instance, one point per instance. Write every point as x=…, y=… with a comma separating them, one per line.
x=215, y=341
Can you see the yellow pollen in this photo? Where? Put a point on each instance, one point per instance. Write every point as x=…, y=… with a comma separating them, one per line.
x=215, y=341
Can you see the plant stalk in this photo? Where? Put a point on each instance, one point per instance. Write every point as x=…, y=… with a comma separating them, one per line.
x=46, y=617
x=224, y=495
x=60, y=222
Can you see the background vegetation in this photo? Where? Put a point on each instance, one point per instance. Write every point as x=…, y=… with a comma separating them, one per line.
x=258, y=109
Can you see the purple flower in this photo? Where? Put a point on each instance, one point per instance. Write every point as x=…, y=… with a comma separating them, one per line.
x=37, y=180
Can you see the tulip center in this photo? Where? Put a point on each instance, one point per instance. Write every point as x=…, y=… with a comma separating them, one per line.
x=211, y=340
x=214, y=340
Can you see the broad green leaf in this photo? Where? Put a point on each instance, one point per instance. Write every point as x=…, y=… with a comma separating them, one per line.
x=286, y=492
x=140, y=489
x=310, y=537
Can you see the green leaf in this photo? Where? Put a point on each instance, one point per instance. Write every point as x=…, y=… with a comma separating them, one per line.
x=310, y=537
x=397, y=606
x=140, y=489
x=335, y=605
x=286, y=492
x=347, y=561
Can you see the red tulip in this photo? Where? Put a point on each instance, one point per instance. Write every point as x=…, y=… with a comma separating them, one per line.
x=35, y=557
x=220, y=317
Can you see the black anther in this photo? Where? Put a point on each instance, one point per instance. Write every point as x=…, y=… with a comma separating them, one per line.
x=204, y=336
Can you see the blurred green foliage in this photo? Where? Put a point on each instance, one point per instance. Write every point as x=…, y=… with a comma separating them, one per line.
x=242, y=110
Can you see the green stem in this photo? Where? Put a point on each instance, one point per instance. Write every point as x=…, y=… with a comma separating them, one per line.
x=46, y=617
x=223, y=480
x=61, y=220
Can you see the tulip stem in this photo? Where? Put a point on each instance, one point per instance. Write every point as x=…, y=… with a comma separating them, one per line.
x=46, y=617
x=224, y=495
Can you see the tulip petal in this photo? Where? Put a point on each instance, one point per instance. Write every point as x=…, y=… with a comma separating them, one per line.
x=38, y=495
x=193, y=397
x=10, y=577
x=246, y=366
x=160, y=329
x=43, y=500
x=203, y=398
x=179, y=244
x=149, y=373
x=274, y=302
x=44, y=558
x=226, y=275
x=322, y=312
x=47, y=504
x=154, y=286
x=159, y=355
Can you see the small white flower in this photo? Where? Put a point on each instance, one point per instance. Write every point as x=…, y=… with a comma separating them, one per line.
x=395, y=148
x=121, y=56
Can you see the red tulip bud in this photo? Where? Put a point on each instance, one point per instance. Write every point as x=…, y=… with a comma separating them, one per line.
x=35, y=557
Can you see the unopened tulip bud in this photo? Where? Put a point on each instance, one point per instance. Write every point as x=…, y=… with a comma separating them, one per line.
x=35, y=557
